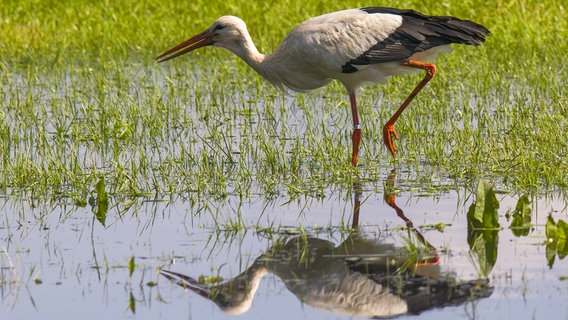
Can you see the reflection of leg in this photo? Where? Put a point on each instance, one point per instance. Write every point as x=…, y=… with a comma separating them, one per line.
x=390, y=197
x=357, y=195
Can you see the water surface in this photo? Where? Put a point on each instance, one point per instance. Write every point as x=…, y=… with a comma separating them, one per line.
x=58, y=261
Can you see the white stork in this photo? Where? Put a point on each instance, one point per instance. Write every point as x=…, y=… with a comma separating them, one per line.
x=355, y=46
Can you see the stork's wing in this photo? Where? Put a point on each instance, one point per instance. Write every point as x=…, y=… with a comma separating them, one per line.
x=416, y=33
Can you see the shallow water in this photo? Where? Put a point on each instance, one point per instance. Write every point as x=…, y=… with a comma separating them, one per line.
x=58, y=261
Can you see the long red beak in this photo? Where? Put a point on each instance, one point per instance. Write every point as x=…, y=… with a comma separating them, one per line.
x=203, y=39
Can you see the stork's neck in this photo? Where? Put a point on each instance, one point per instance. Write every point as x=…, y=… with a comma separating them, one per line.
x=269, y=66
x=246, y=50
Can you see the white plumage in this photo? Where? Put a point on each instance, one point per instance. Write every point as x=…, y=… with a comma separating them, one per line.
x=355, y=47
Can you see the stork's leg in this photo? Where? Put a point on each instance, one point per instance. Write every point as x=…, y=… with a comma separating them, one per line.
x=356, y=136
x=388, y=129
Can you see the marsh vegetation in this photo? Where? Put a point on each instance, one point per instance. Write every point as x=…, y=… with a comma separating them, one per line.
x=113, y=166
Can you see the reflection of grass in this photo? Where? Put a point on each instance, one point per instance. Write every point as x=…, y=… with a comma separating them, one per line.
x=12, y=280
x=415, y=253
x=82, y=99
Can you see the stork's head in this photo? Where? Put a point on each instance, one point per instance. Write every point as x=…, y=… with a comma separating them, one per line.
x=227, y=32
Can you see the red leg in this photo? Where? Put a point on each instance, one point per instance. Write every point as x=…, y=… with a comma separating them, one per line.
x=356, y=137
x=388, y=129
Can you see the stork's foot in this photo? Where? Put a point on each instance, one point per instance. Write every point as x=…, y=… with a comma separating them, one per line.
x=388, y=134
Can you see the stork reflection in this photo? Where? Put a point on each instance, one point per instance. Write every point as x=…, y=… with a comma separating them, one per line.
x=360, y=276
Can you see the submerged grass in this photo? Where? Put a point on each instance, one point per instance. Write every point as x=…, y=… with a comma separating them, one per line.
x=82, y=99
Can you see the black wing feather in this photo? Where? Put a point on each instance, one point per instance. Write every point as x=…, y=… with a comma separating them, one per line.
x=417, y=33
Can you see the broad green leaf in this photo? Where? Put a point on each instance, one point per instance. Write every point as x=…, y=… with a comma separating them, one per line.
x=550, y=253
x=524, y=206
x=562, y=232
x=131, y=266
x=483, y=244
x=518, y=226
x=551, y=231
x=483, y=219
x=556, y=239
x=521, y=223
x=562, y=248
x=483, y=213
x=491, y=238
x=102, y=201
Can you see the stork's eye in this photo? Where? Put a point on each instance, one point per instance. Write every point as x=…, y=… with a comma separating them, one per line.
x=219, y=27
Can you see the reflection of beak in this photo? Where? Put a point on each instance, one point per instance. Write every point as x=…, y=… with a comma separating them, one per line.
x=233, y=296
x=186, y=283
x=203, y=39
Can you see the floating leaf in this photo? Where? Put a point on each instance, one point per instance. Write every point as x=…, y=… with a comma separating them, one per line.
x=484, y=245
x=562, y=232
x=102, y=201
x=483, y=213
x=550, y=253
x=550, y=230
x=523, y=206
x=521, y=223
x=562, y=249
x=518, y=227
x=483, y=224
x=556, y=240
x=551, y=240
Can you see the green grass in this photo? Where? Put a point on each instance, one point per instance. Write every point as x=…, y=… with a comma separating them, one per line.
x=83, y=99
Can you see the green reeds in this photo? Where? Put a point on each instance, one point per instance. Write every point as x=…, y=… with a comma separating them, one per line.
x=82, y=99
